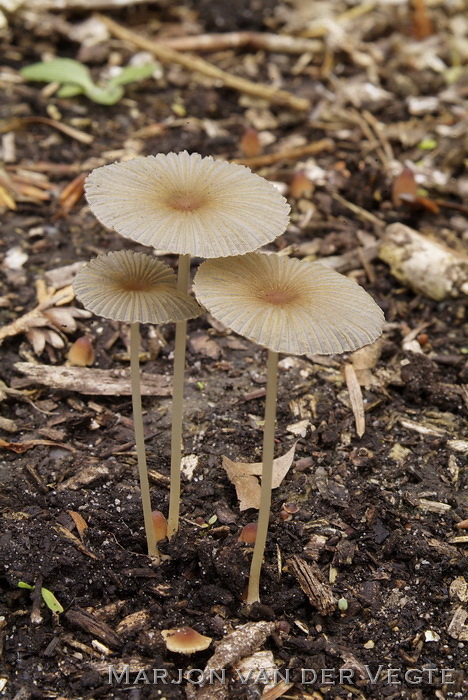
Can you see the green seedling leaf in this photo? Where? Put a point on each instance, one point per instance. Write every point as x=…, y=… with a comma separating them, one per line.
x=132, y=74
x=48, y=597
x=59, y=70
x=76, y=79
x=51, y=601
x=427, y=144
x=70, y=90
x=107, y=95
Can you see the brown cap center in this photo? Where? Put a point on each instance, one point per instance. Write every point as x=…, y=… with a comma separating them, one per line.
x=137, y=285
x=186, y=201
x=279, y=297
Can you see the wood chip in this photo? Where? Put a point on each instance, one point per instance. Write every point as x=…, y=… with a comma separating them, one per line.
x=433, y=506
x=133, y=622
x=85, y=621
x=458, y=629
x=426, y=266
x=84, y=477
x=94, y=381
x=355, y=396
x=239, y=644
x=312, y=583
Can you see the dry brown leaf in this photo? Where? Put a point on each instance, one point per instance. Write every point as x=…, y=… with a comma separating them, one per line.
x=79, y=521
x=44, y=323
x=244, y=476
x=78, y=544
x=202, y=344
x=355, y=396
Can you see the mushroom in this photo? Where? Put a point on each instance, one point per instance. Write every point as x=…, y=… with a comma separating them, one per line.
x=286, y=306
x=183, y=203
x=134, y=288
x=185, y=640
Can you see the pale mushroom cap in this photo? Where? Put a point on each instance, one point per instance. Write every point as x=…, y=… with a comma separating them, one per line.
x=184, y=203
x=130, y=287
x=287, y=305
x=185, y=640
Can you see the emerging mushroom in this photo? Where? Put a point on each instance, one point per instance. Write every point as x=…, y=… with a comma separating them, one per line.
x=185, y=640
x=286, y=306
x=183, y=203
x=134, y=288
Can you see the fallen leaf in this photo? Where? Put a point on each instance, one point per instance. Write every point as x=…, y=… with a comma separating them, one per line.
x=202, y=344
x=245, y=475
x=80, y=522
x=74, y=540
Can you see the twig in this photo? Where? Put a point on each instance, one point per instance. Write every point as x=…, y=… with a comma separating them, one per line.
x=359, y=211
x=20, y=122
x=379, y=131
x=309, y=149
x=259, y=41
x=196, y=64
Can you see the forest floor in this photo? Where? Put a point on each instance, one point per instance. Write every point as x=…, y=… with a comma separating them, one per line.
x=379, y=521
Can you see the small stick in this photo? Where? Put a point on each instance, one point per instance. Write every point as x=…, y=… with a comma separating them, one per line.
x=289, y=154
x=359, y=211
x=259, y=41
x=178, y=403
x=196, y=64
x=253, y=593
x=140, y=439
x=20, y=122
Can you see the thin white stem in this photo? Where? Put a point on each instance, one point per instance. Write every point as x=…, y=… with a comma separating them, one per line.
x=253, y=593
x=178, y=403
x=140, y=438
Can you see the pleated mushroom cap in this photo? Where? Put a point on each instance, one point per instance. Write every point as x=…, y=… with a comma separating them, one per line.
x=130, y=287
x=287, y=305
x=184, y=203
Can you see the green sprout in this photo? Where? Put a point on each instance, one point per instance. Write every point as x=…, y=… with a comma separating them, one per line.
x=75, y=79
x=47, y=596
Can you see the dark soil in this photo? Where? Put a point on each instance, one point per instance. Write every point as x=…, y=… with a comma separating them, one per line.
x=377, y=514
